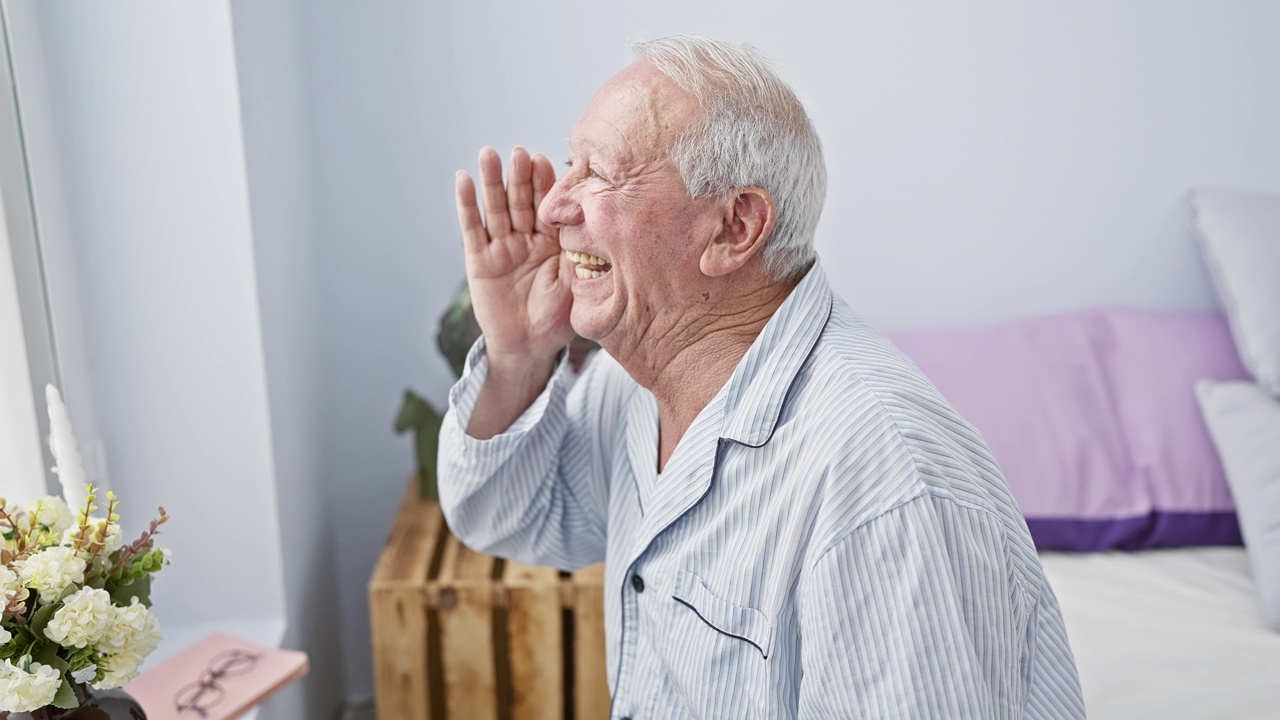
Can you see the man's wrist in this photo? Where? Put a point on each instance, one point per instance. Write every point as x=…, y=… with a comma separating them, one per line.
x=523, y=369
x=511, y=385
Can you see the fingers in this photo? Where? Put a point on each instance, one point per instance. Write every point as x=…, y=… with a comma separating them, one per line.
x=496, y=217
x=520, y=192
x=509, y=207
x=474, y=236
x=544, y=176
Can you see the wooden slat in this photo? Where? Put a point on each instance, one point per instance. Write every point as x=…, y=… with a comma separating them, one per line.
x=535, y=642
x=434, y=605
x=406, y=556
x=398, y=611
x=464, y=603
x=591, y=690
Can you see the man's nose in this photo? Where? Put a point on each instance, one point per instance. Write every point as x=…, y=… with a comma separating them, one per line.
x=559, y=208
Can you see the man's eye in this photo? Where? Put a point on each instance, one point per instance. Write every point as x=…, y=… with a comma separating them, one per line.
x=588, y=171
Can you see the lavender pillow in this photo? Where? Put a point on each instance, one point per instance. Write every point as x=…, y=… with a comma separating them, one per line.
x=1153, y=362
x=1036, y=392
x=1093, y=419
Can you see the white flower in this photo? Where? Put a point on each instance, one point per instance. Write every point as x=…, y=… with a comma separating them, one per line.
x=53, y=513
x=24, y=691
x=126, y=627
x=5, y=636
x=82, y=619
x=149, y=638
x=51, y=571
x=132, y=637
x=120, y=669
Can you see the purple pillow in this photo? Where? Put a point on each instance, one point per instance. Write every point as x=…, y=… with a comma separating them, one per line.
x=1093, y=419
x=1153, y=362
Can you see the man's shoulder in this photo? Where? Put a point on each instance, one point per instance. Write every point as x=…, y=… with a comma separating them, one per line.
x=881, y=431
x=855, y=369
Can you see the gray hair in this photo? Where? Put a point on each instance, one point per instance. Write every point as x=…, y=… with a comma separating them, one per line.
x=753, y=133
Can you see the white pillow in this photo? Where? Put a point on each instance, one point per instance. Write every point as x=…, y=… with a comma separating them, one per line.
x=1244, y=422
x=1240, y=236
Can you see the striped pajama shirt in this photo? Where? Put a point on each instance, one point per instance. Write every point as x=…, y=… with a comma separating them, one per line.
x=828, y=540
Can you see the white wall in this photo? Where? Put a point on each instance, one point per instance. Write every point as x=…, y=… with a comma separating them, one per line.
x=170, y=163
x=376, y=74
x=139, y=169
x=995, y=160
x=273, y=97
x=988, y=160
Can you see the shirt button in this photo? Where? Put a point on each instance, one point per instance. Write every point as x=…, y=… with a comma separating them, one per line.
x=638, y=583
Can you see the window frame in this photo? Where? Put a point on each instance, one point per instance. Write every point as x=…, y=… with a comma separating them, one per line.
x=19, y=239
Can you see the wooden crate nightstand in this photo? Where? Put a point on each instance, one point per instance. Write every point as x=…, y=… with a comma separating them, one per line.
x=462, y=635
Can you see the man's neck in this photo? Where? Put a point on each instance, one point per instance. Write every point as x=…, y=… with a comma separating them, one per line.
x=685, y=377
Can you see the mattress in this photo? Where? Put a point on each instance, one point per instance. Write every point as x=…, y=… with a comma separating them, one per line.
x=1170, y=634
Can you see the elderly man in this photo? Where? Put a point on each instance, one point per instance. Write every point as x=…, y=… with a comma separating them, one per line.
x=793, y=522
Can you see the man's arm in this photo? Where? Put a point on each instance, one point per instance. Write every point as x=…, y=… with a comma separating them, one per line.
x=916, y=614
x=519, y=283
x=537, y=492
x=514, y=477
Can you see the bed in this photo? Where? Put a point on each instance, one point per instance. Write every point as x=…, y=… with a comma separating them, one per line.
x=1143, y=448
x=1169, y=634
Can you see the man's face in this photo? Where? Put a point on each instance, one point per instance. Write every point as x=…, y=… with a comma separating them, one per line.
x=626, y=221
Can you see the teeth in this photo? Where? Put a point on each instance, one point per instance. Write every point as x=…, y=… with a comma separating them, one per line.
x=584, y=273
x=585, y=259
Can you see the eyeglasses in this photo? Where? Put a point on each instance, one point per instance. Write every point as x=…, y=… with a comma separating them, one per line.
x=201, y=696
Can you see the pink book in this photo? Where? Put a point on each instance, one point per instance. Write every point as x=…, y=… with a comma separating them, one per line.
x=218, y=678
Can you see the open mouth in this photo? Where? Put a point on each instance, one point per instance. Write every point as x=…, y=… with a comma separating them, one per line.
x=588, y=267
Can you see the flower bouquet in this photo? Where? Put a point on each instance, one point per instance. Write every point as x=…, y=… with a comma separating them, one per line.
x=74, y=597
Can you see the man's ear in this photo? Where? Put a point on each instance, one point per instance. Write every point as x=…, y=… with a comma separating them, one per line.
x=748, y=223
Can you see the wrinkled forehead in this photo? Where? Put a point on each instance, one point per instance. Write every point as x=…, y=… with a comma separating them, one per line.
x=640, y=111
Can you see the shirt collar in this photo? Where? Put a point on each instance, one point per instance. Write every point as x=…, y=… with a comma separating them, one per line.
x=763, y=377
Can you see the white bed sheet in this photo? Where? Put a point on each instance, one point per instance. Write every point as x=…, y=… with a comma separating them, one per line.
x=1170, y=634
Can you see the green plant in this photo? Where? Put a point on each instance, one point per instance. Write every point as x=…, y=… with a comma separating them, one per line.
x=418, y=415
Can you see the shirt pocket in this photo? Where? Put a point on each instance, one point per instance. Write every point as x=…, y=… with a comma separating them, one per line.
x=716, y=653
x=744, y=623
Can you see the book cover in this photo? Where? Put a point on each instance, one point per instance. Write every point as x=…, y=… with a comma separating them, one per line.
x=219, y=678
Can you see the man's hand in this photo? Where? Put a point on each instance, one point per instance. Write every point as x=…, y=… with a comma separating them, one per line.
x=519, y=280
x=520, y=284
